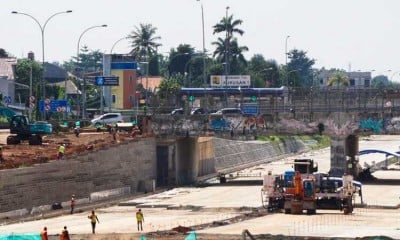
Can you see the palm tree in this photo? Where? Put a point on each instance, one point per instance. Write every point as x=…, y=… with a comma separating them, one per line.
x=236, y=59
x=339, y=79
x=230, y=26
x=144, y=42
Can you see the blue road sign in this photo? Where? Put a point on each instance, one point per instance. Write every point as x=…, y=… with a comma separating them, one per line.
x=55, y=106
x=250, y=108
x=106, y=81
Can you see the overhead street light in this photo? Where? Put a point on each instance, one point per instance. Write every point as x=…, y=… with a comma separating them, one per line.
x=119, y=40
x=77, y=64
x=42, y=29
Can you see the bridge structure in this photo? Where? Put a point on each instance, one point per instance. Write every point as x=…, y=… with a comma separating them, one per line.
x=341, y=113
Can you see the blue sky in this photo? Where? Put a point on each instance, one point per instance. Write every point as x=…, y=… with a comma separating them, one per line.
x=346, y=34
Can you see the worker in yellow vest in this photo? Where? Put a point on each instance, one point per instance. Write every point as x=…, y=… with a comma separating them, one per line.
x=139, y=219
x=61, y=151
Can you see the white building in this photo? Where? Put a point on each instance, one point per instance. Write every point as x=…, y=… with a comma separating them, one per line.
x=357, y=79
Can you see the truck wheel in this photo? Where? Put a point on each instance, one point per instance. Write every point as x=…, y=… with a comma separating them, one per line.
x=311, y=211
x=35, y=140
x=13, y=140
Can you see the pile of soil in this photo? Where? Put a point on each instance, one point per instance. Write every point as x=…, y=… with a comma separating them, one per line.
x=24, y=155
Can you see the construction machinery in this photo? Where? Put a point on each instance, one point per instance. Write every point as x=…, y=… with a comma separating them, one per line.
x=21, y=129
x=305, y=190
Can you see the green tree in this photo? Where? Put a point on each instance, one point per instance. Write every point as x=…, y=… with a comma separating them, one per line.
x=89, y=61
x=263, y=73
x=144, y=42
x=23, y=72
x=168, y=91
x=299, y=71
x=237, y=60
x=3, y=53
x=227, y=47
x=178, y=59
x=339, y=79
x=229, y=25
x=380, y=81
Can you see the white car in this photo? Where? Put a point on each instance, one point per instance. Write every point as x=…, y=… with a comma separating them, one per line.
x=107, y=118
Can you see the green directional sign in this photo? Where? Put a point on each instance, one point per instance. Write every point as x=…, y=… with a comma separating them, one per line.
x=253, y=98
x=191, y=98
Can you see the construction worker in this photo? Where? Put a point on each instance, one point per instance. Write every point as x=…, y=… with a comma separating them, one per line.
x=61, y=151
x=93, y=218
x=43, y=234
x=64, y=234
x=139, y=219
x=72, y=203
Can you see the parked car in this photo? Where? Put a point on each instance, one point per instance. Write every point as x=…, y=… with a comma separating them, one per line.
x=228, y=111
x=108, y=118
x=178, y=111
x=197, y=111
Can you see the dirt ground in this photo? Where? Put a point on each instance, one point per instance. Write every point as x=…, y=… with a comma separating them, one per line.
x=15, y=156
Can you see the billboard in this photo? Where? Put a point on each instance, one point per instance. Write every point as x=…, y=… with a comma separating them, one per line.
x=230, y=80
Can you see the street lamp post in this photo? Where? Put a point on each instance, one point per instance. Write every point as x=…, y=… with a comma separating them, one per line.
x=30, y=89
x=77, y=63
x=286, y=56
x=147, y=82
x=42, y=28
x=226, y=48
x=204, y=48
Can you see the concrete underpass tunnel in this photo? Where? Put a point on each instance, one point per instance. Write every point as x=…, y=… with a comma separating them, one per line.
x=186, y=161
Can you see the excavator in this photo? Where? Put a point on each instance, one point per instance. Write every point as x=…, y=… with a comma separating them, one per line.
x=305, y=190
x=21, y=129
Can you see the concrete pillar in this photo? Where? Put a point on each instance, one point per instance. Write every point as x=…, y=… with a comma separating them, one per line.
x=338, y=157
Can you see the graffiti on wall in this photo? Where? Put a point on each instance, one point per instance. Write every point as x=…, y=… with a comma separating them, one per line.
x=375, y=126
x=224, y=123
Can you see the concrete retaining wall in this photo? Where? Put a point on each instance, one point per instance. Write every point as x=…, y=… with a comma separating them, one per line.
x=231, y=155
x=128, y=167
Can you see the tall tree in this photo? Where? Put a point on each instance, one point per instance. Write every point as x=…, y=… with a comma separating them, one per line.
x=144, y=41
x=299, y=71
x=229, y=25
x=236, y=59
x=229, y=44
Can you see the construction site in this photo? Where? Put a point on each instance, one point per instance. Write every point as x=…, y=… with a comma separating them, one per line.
x=278, y=199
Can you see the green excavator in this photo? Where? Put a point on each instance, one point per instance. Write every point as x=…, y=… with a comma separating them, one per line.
x=21, y=129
